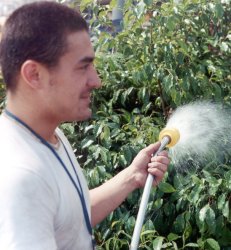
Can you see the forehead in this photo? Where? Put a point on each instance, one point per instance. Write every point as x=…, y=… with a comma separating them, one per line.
x=79, y=45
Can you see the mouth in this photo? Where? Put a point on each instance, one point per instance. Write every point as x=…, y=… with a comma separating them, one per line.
x=86, y=97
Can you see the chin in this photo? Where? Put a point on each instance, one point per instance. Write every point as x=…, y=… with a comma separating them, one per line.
x=84, y=117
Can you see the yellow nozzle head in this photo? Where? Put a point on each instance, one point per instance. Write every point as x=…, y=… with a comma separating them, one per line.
x=172, y=133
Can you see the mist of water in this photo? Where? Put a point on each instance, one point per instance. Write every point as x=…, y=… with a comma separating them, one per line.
x=205, y=133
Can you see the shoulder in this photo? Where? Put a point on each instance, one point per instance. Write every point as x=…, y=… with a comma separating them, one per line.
x=20, y=181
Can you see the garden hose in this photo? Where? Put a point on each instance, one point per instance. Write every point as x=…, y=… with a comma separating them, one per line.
x=168, y=138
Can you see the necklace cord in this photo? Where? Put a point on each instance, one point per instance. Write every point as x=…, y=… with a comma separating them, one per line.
x=78, y=189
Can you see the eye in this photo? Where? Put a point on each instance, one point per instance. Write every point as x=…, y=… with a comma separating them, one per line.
x=84, y=67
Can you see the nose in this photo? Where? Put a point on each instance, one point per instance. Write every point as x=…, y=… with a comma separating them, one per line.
x=94, y=80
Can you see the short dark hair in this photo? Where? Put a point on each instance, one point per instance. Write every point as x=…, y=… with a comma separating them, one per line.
x=36, y=31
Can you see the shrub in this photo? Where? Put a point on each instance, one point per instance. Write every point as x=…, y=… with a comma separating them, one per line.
x=168, y=54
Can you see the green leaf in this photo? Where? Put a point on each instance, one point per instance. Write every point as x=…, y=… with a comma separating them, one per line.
x=140, y=9
x=173, y=236
x=122, y=160
x=183, y=46
x=144, y=95
x=219, y=11
x=217, y=91
x=167, y=83
x=176, y=97
x=129, y=226
x=171, y=23
x=113, y=3
x=84, y=4
x=127, y=154
x=179, y=223
x=104, y=155
x=228, y=179
x=101, y=170
x=212, y=244
x=94, y=177
x=225, y=210
x=158, y=203
x=88, y=128
x=224, y=47
x=148, y=2
x=86, y=1
x=147, y=232
x=166, y=187
x=169, y=208
x=149, y=225
x=187, y=231
x=192, y=245
x=69, y=128
x=105, y=135
x=195, y=194
x=207, y=215
x=98, y=129
x=203, y=212
x=86, y=143
x=157, y=243
x=221, y=201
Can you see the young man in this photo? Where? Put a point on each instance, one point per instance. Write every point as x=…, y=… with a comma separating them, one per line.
x=47, y=63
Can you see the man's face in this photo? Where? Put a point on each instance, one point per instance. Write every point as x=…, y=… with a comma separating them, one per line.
x=72, y=81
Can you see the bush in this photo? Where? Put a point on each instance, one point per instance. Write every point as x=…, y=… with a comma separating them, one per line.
x=181, y=54
x=168, y=54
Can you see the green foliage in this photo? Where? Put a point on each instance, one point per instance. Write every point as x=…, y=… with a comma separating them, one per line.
x=168, y=54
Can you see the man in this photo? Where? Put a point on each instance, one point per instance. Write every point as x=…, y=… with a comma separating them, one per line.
x=47, y=64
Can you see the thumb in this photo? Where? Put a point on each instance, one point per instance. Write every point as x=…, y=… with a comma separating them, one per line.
x=152, y=148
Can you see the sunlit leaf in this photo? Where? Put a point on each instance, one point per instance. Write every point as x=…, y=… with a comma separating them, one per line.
x=212, y=244
x=166, y=187
x=157, y=243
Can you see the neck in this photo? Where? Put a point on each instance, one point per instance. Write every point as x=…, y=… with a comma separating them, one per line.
x=38, y=121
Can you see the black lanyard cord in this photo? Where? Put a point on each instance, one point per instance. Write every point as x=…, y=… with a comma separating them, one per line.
x=78, y=189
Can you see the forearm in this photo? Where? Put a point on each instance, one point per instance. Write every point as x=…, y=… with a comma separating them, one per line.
x=111, y=194
x=107, y=197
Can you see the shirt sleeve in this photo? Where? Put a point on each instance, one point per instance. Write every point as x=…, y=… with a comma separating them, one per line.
x=27, y=210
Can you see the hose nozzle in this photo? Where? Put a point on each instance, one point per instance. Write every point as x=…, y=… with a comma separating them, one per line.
x=172, y=133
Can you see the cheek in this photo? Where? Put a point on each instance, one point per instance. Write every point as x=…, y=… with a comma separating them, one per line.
x=68, y=88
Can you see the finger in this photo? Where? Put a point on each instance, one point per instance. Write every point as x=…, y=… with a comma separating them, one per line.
x=159, y=166
x=152, y=148
x=161, y=159
x=157, y=174
x=163, y=153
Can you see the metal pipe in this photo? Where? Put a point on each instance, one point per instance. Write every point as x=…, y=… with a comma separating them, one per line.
x=144, y=200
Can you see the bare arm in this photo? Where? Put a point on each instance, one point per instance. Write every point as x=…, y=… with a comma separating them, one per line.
x=107, y=197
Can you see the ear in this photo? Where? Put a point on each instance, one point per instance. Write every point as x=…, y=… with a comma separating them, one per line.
x=32, y=73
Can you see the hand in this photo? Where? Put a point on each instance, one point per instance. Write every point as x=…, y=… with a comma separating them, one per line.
x=145, y=163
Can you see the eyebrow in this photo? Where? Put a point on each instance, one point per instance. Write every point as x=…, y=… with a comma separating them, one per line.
x=87, y=59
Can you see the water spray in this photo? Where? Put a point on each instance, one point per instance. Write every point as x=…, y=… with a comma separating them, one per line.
x=168, y=138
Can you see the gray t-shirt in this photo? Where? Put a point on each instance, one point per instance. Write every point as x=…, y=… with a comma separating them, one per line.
x=39, y=206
